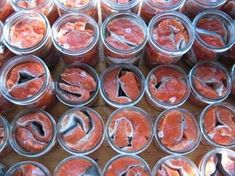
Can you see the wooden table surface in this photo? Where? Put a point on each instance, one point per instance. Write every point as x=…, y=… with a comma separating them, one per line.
x=152, y=154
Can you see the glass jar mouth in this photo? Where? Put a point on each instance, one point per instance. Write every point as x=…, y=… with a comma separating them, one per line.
x=147, y=118
x=167, y=158
x=62, y=142
x=75, y=9
x=121, y=6
x=72, y=17
x=16, y=147
x=228, y=22
x=166, y=7
x=18, y=8
x=130, y=67
x=143, y=162
x=90, y=71
x=201, y=124
x=233, y=73
x=5, y=125
x=198, y=94
x=36, y=164
x=10, y=64
x=20, y=16
x=71, y=158
x=166, y=149
x=209, y=4
x=140, y=22
x=163, y=104
x=206, y=157
x=171, y=15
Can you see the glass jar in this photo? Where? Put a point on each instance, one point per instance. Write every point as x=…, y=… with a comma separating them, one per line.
x=217, y=123
x=122, y=85
x=33, y=133
x=26, y=81
x=215, y=34
x=167, y=86
x=46, y=7
x=77, y=85
x=5, y=10
x=193, y=7
x=88, y=7
x=3, y=169
x=110, y=7
x=129, y=130
x=229, y=8
x=150, y=8
x=224, y=158
x=77, y=165
x=210, y=83
x=80, y=131
x=172, y=163
x=30, y=33
x=170, y=36
x=233, y=79
x=76, y=35
x=28, y=168
x=176, y=131
x=124, y=36
x=4, y=136
x=126, y=165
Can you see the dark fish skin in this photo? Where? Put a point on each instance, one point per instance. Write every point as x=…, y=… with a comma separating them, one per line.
x=92, y=171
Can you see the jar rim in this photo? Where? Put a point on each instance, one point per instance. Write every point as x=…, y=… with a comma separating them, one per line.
x=134, y=18
x=172, y=7
x=62, y=142
x=197, y=93
x=5, y=125
x=209, y=4
x=146, y=116
x=130, y=67
x=160, y=103
x=121, y=6
x=168, y=15
x=11, y=63
x=226, y=19
x=20, y=16
x=18, y=8
x=19, y=149
x=166, y=149
x=201, y=123
x=66, y=18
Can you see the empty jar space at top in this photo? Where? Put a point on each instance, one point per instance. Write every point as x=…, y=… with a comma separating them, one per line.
x=30, y=33
x=124, y=36
x=210, y=83
x=75, y=35
x=47, y=7
x=5, y=9
x=214, y=33
x=192, y=8
x=88, y=7
x=150, y=8
x=170, y=36
x=109, y=7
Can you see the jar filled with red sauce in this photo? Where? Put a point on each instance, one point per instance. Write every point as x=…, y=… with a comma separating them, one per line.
x=28, y=168
x=214, y=33
x=46, y=7
x=77, y=166
x=210, y=83
x=5, y=9
x=124, y=36
x=88, y=7
x=77, y=85
x=167, y=86
x=229, y=8
x=4, y=136
x=26, y=81
x=193, y=7
x=33, y=133
x=170, y=36
x=109, y=7
x=75, y=35
x=233, y=79
x=150, y=8
x=30, y=33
